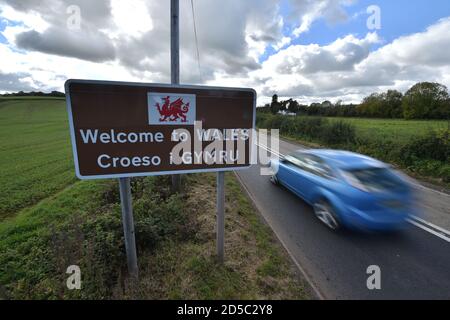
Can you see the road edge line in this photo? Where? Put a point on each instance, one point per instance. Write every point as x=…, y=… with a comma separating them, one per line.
x=431, y=225
x=429, y=230
x=308, y=279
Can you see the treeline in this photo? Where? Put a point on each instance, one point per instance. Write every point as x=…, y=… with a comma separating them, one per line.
x=424, y=100
x=34, y=94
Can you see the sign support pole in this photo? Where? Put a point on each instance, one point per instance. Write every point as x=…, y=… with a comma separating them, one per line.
x=220, y=215
x=128, y=226
x=175, y=64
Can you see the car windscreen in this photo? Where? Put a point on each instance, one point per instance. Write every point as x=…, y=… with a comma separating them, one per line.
x=377, y=179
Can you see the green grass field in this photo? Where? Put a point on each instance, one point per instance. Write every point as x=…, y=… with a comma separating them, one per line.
x=35, y=152
x=393, y=129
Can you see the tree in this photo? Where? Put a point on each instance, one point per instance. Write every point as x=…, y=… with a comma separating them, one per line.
x=314, y=108
x=393, y=104
x=371, y=106
x=327, y=104
x=264, y=109
x=275, y=105
x=302, y=109
x=382, y=105
x=426, y=100
x=283, y=104
x=293, y=106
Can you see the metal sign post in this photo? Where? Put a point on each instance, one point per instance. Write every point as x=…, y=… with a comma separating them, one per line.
x=128, y=226
x=220, y=215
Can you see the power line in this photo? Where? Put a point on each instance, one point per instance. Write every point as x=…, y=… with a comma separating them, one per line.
x=196, y=41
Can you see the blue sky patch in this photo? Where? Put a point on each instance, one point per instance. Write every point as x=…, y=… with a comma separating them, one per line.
x=398, y=18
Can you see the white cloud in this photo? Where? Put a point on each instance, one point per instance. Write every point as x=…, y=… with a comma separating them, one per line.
x=140, y=22
x=347, y=69
x=88, y=46
x=27, y=19
x=49, y=72
x=282, y=43
x=308, y=11
x=429, y=48
x=130, y=42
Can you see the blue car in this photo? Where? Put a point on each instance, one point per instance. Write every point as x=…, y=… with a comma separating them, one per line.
x=347, y=189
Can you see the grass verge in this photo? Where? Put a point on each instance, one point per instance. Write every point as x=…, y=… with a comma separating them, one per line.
x=175, y=238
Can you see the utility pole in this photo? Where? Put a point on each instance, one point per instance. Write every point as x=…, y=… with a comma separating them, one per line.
x=175, y=64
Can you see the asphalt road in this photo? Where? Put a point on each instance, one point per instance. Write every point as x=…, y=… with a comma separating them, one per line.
x=414, y=263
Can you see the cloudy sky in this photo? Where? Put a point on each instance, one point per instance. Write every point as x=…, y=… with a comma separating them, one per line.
x=311, y=50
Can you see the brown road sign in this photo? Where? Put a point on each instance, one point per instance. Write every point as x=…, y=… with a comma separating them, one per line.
x=123, y=129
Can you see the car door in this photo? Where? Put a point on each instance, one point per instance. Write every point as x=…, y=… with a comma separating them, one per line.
x=290, y=173
x=303, y=181
x=311, y=174
x=316, y=175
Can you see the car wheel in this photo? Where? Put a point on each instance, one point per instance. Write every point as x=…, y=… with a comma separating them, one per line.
x=274, y=179
x=325, y=213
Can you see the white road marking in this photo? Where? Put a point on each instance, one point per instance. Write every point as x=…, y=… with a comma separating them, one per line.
x=429, y=189
x=433, y=226
x=423, y=227
x=416, y=221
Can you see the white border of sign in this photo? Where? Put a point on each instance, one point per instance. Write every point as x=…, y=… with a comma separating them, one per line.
x=160, y=85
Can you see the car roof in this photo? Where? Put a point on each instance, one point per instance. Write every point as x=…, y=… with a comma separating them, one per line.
x=345, y=159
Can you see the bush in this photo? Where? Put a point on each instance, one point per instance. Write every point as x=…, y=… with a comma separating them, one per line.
x=338, y=133
x=434, y=146
x=306, y=127
x=444, y=172
x=387, y=150
x=158, y=219
x=310, y=127
x=261, y=119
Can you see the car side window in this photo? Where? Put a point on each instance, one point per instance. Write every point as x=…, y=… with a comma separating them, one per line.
x=300, y=161
x=311, y=164
x=320, y=168
x=293, y=161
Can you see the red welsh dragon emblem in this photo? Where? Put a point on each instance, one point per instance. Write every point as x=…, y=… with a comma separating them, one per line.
x=172, y=111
